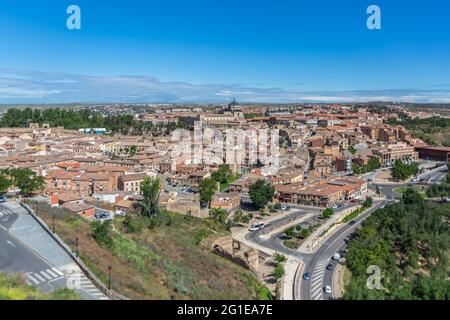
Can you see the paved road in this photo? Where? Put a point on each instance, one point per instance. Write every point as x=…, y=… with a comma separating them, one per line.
x=29, y=251
x=316, y=264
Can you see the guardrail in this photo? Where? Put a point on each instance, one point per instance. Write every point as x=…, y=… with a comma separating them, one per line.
x=91, y=276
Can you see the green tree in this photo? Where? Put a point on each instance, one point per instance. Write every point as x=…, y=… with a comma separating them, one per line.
x=5, y=183
x=218, y=215
x=368, y=202
x=207, y=188
x=133, y=150
x=222, y=174
x=327, y=213
x=412, y=196
x=401, y=171
x=290, y=232
x=261, y=192
x=279, y=271
x=279, y=258
x=26, y=180
x=150, y=189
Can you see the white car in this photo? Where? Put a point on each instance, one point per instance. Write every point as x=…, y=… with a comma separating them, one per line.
x=327, y=289
x=256, y=227
x=337, y=257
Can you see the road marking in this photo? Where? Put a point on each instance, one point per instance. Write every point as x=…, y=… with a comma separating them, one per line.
x=46, y=275
x=58, y=272
x=50, y=272
x=315, y=281
x=10, y=243
x=30, y=277
x=316, y=291
x=39, y=277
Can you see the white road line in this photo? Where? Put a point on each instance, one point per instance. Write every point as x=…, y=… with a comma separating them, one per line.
x=313, y=283
x=58, y=272
x=319, y=297
x=316, y=275
x=50, y=272
x=33, y=279
x=39, y=277
x=316, y=292
x=104, y=298
x=46, y=275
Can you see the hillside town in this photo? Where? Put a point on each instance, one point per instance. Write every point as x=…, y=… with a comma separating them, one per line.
x=321, y=147
x=280, y=179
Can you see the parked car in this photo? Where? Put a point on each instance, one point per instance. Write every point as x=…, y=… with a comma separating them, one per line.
x=306, y=276
x=327, y=289
x=3, y=199
x=284, y=208
x=120, y=213
x=330, y=267
x=336, y=257
x=256, y=227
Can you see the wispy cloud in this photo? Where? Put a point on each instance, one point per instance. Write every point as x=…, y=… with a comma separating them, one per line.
x=22, y=86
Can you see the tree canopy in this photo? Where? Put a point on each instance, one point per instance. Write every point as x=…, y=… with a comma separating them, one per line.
x=150, y=188
x=409, y=242
x=261, y=192
x=402, y=171
x=22, y=178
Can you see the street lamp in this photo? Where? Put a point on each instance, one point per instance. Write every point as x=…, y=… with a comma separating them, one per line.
x=109, y=277
x=53, y=222
x=76, y=245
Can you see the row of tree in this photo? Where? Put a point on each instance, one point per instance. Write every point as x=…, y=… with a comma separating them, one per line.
x=77, y=119
x=401, y=171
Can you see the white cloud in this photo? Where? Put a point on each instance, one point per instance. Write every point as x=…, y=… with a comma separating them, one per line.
x=22, y=86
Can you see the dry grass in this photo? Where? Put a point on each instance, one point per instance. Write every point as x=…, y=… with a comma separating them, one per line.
x=166, y=261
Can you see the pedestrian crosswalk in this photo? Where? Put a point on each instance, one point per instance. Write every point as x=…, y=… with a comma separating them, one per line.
x=317, y=279
x=5, y=212
x=80, y=282
x=74, y=280
x=48, y=275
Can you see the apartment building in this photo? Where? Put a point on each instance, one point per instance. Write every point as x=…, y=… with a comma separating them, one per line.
x=390, y=153
x=131, y=183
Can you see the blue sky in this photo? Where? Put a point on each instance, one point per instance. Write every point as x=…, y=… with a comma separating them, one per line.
x=211, y=51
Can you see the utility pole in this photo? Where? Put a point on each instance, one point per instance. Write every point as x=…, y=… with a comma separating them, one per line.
x=53, y=222
x=76, y=245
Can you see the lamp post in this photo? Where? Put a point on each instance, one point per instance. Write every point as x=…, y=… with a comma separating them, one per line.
x=109, y=277
x=76, y=245
x=53, y=222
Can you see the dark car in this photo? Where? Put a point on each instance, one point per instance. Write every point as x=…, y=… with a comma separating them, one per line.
x=352, y=222
x=330, y=267
x=306, y=276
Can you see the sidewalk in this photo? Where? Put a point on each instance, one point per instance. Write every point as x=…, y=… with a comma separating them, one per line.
x=338, y=282
x=312, y=243
x=27, y=230
x=32, y=234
